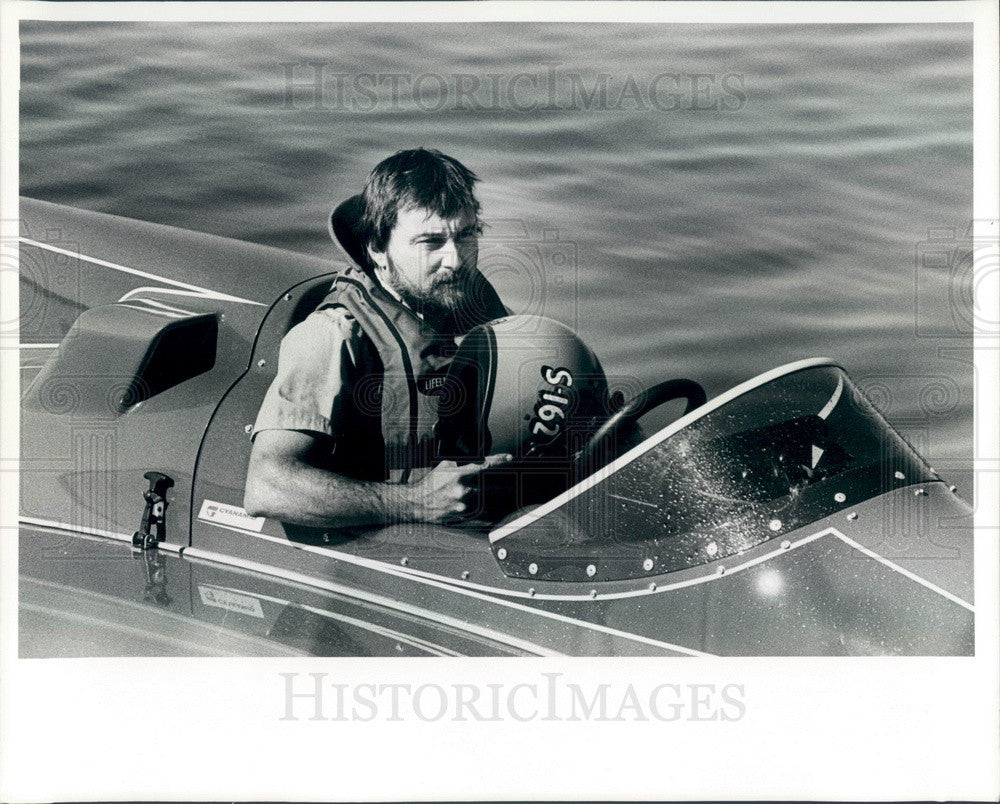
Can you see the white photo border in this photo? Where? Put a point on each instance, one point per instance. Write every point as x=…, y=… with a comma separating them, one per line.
x=204, y=729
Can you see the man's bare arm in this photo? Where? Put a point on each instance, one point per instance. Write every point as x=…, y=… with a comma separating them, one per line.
x=284, y=483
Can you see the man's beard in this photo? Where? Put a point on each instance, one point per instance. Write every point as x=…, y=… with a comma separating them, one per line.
x=443, y=303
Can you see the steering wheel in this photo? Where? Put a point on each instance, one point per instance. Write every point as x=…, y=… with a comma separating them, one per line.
x=636, y=408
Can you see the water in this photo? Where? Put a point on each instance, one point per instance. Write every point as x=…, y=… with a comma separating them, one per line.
x=784, y=218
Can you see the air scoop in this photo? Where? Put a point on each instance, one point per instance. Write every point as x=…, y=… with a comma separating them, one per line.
x=118, y=355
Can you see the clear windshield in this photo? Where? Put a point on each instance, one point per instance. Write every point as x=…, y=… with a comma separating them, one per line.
x=772, y=460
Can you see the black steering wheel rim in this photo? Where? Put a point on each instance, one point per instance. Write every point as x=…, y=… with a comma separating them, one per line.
x=639, y=406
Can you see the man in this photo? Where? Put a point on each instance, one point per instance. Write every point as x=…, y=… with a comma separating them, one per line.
x=345, y=436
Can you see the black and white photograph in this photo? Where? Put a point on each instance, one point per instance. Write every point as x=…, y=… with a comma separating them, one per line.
x=606, y=330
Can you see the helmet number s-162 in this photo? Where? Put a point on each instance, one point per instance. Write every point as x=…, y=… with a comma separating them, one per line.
x=552, y=403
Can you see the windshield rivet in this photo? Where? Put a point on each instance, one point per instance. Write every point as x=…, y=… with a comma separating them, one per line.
x=591, y=570
x=502, y=553
x=920, y=493
x=404, y=561
x=953, y=488
x=465, y=575
x=647, y=564
x=261, y=363
x=852, y=516
x=593, y=593
x=532, y=568
x=531, y=591
x=720, y=571
x=652, y=587
x=785, y=544
x=774, y=524
x=711, y=548
x=248, y=428
x=840, y=496
x=288, y=297
x=899, y=475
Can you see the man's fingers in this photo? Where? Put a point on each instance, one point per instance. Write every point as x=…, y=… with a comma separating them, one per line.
x=496, y=460
x=489, y=462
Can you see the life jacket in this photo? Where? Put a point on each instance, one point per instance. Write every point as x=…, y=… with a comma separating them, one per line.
x=403, y=364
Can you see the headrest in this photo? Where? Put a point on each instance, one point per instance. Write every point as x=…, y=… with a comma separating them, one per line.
x=348, y=232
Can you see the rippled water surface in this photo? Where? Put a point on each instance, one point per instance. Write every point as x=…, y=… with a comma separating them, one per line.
x=699, y=201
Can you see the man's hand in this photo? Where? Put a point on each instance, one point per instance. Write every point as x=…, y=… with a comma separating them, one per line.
x=284, y=483
x=449, y=492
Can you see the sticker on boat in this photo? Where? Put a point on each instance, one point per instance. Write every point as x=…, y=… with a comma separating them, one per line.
x=220, y=513
x=230, y=601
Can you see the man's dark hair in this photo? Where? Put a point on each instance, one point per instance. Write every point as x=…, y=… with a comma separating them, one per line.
x=421, y=177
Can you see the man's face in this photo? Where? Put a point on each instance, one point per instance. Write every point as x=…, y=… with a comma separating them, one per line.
x=430, y=261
